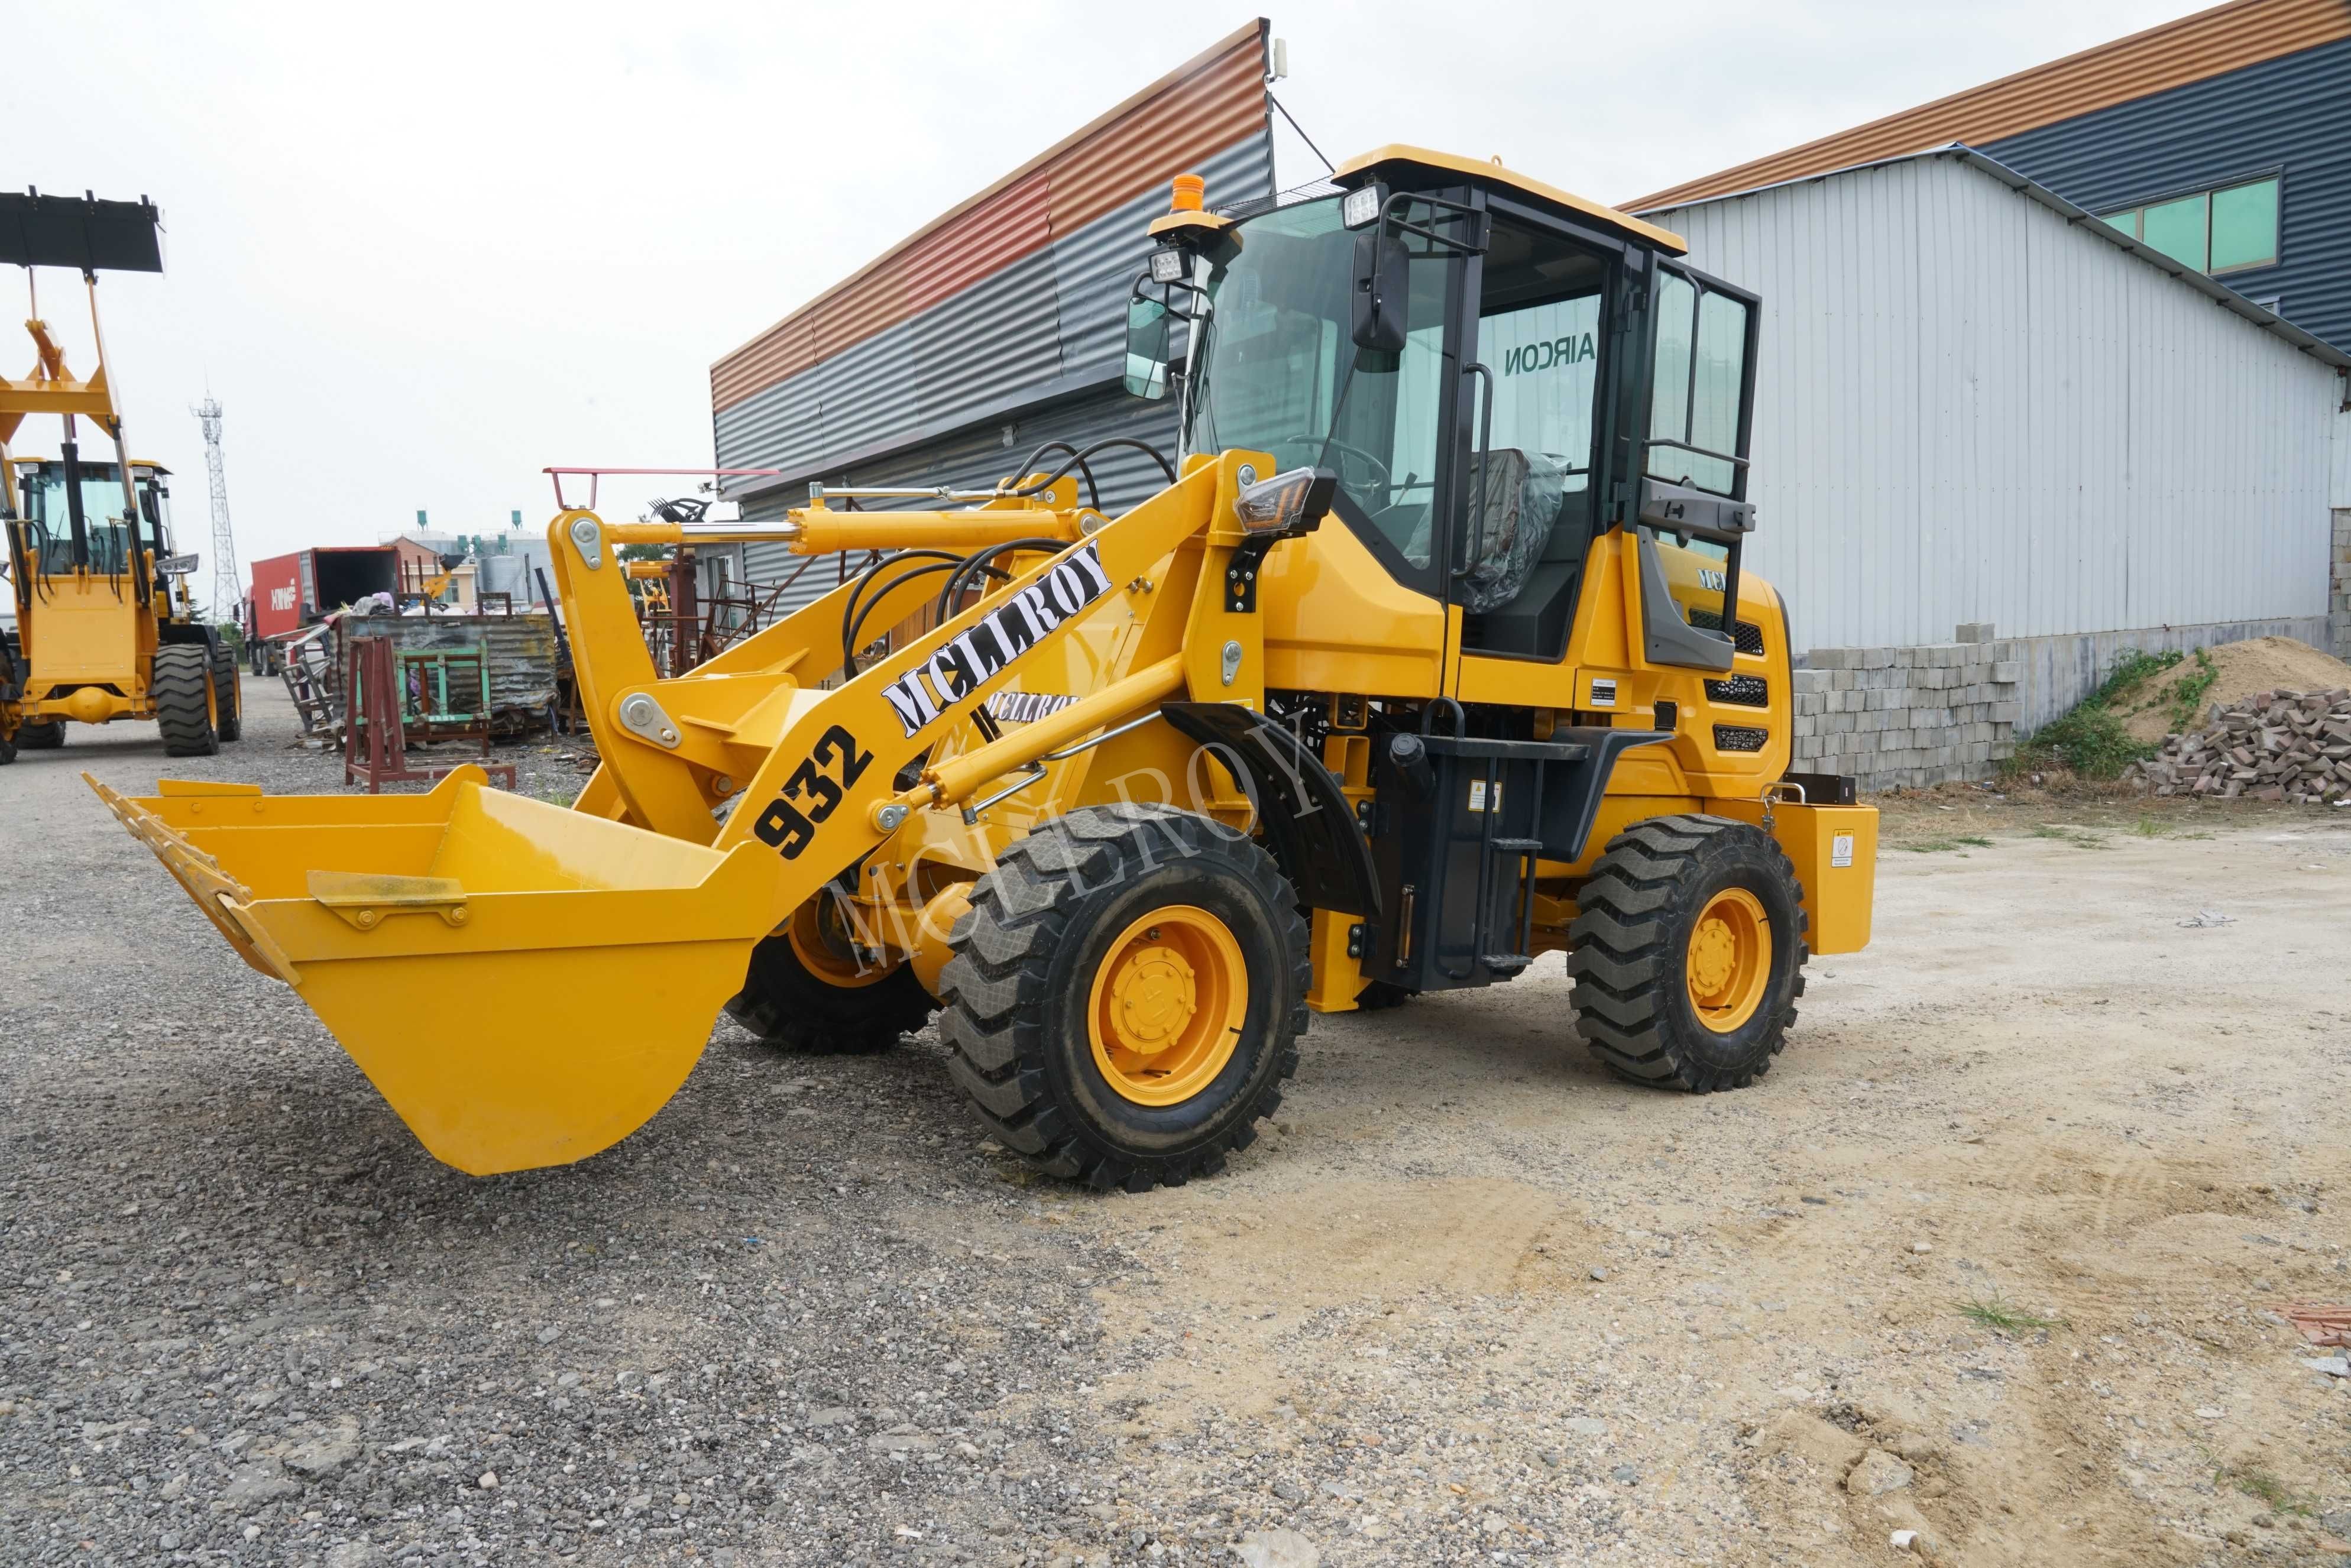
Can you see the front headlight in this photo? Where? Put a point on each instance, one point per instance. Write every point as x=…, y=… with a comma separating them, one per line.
x=1292, y=503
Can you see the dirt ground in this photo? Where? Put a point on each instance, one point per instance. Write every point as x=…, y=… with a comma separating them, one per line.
x=1996, y=1254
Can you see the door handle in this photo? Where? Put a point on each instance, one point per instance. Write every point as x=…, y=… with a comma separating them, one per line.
x=1478, y=472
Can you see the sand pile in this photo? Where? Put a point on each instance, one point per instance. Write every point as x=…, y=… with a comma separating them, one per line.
x=2240, y=671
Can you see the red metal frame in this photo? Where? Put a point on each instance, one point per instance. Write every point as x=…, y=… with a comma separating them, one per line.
x=371, y=683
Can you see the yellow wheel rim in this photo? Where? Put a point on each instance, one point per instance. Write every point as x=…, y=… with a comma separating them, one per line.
x=1730, y=964
x=1167, y=1004
x=821, y=940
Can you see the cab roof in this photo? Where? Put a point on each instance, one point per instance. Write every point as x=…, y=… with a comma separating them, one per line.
x=1493, y=172
x=136, y=463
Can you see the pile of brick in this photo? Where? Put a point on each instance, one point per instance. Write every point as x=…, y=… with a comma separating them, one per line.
x=2274, y=746
x=1890, y=717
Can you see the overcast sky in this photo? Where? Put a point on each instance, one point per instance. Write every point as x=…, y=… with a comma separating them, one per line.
x=420, y=251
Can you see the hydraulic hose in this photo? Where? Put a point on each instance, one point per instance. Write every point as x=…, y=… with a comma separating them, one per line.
x=853, y=627
x=1078, y=460
x=75, y=521
x=850, y=619
x=977, y=561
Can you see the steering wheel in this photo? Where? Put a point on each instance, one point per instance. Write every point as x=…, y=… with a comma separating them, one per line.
x=1382, y=480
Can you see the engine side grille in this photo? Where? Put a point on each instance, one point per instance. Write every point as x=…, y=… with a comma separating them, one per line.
x=1740, y=691
x=1745, y=635
x=1739, y=738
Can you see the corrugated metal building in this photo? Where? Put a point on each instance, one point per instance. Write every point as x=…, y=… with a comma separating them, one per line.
x=998, y=325
x=2220, y=137
x=1977, y=403
x=2277, y=134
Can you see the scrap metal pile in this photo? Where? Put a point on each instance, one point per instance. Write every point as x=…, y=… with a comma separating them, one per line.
x=2273, y=746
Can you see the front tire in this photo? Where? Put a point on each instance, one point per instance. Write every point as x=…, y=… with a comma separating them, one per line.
x=1126, y=995
x=810, y=990
x=228, y=694
x=181, y=685
x=1688, y=953
x=44, y=734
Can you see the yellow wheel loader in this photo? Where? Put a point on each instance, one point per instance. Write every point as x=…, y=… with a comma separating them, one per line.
x=1433, y=656
x=105, y=628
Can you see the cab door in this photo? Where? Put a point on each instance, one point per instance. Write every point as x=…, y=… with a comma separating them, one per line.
x=1692, y=516
x=1545, y=332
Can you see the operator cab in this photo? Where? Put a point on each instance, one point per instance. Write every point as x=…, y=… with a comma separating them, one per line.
x=1496, y=373
x=42, y=503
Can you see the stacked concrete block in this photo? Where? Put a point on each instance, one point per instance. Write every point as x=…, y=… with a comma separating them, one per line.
x=1908, y=717
x=2338, y=589
x=2273, y=746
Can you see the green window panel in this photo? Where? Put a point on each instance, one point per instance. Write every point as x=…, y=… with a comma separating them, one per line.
x=2181, y=229
x=2245, y=225
x=2227, y=230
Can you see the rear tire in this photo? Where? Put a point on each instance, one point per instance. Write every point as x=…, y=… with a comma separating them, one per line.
x=1688, y=953
x=44, y=734
x=1126, y=995
x=808, y=990
x=228, y=697
x=181, y=685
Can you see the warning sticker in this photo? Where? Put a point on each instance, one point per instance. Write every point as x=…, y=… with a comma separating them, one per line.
x=1840, y=849
x=1477, y=795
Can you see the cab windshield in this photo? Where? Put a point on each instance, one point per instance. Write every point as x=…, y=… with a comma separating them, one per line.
x=42, y=493
x=1278, y=370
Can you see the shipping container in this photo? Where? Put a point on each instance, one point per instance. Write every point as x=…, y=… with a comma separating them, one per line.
x=291, y=591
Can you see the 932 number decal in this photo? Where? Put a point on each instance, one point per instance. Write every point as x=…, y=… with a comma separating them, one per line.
x=812, y=793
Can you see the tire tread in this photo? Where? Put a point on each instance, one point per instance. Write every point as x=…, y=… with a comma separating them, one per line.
x=995, y=984
x=180, y=682
x=1620, y=956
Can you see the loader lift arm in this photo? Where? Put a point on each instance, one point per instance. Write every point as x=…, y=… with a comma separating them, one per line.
x=600, y=952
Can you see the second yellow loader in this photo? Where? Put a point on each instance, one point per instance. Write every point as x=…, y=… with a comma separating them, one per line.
x=104, y=627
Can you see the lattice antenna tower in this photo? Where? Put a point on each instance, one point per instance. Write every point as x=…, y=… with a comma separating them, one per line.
x=224, y=590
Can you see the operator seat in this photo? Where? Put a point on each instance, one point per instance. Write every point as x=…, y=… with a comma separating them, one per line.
x=1519, y=593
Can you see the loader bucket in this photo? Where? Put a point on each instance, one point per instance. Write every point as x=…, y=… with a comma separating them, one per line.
x=526, y=985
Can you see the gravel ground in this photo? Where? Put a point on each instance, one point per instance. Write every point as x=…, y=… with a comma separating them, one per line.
x=1470, y=1301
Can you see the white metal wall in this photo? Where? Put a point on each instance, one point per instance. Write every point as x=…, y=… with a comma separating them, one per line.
x=1969, y=409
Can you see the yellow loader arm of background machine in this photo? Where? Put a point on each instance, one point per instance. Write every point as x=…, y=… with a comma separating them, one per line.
x=527, y=984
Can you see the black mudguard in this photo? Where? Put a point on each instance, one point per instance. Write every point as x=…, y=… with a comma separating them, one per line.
x=1307, y=822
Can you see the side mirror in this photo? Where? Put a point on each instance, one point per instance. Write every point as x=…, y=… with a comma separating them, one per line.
x=1146, y=349
x=1382, y=285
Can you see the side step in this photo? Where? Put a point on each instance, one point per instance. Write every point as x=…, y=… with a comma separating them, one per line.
x=1527, y=850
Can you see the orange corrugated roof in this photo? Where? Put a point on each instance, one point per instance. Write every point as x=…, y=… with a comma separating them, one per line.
x=2224, y=38
x=1196, y=110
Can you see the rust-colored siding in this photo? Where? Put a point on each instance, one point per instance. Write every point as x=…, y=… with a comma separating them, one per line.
x=1203, y=106
x=2225, y=38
